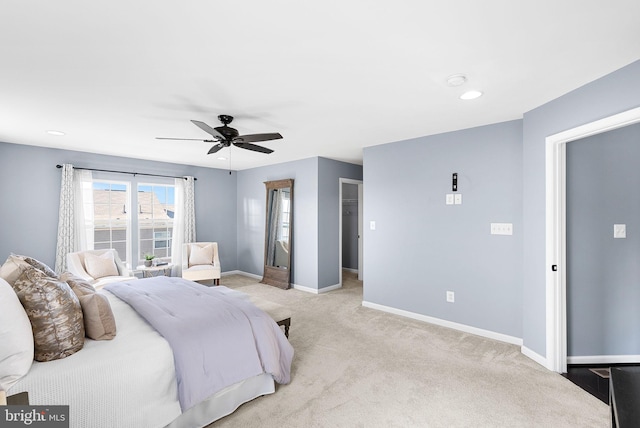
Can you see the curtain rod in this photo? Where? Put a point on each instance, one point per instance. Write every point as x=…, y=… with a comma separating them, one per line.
x=126, y=172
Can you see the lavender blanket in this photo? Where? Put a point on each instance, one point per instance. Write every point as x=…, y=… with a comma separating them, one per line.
x=217, y=339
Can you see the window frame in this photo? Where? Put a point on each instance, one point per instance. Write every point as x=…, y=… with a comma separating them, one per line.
x=127, y=208
x=169, y=229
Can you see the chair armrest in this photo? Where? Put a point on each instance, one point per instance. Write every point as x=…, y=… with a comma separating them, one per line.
x=122, y=268
x=74, y=265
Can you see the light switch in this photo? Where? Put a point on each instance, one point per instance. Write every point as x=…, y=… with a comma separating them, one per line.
x=449, y=199
x=458, y=199
x=372, y=225
x=619, y=230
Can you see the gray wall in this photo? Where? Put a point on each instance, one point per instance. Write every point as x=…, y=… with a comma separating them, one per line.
x=315, y=261
x=349, y=226
x=251, y=218
x=421, y=247
x=329, y=174
x=603, y=273
x=30, y=185
x=612, y=94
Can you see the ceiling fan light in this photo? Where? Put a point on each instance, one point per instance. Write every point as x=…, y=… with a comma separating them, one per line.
x=471, y=95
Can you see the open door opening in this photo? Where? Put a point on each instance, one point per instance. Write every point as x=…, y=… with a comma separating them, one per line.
x=556, y=245
x=350, y=239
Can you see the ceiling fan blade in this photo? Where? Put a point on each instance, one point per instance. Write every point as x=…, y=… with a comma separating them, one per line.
x=215, y=148
x=253, y=147
x=206, y=128
x=186, y=139
x=254, y=138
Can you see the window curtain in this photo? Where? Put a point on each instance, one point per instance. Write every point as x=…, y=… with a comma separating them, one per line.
x=75, y=214
x=184, y=221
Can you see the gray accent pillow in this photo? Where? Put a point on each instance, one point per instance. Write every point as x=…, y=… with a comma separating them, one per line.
x=54, y=312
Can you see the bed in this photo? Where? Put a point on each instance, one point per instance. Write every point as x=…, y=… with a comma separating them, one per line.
x=131, y=380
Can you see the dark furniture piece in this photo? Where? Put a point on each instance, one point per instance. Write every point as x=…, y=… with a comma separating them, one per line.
x=20, y=399
x=624, y=397
x=286, y=323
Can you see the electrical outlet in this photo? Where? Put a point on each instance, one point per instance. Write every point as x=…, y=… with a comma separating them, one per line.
x=619, y=230
x=451, y=296
x=372, y=225
x=449, y=199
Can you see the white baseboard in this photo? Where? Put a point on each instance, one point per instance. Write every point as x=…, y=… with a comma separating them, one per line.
x=296, y=286
x=239, y=272
x=329, y=288
x=444, y=323
x=604, y=359
x=315, y=290
x=527, y=352
x=305, y=289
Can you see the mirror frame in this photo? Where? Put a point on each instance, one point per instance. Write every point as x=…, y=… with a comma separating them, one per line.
x=277, y=277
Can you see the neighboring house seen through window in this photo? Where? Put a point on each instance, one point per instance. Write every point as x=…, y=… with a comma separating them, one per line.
x=151, y=224
x=155, y=219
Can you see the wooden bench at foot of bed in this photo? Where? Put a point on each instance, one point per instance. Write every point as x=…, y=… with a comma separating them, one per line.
x=280, y=314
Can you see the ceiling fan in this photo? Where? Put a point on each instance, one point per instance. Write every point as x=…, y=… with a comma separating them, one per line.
x=224, y=136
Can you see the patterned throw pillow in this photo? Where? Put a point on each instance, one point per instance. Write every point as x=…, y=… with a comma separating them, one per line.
x=54, y=312
x=40, y=266
x=99, y=322
x=15, y=264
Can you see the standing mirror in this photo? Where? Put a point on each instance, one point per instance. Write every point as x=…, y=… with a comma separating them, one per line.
x=278, y=233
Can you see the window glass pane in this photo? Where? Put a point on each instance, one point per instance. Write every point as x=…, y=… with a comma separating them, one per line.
x=155, y=219
x=111, y=216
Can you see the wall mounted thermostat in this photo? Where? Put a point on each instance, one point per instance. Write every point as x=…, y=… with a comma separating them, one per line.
x=454, y=182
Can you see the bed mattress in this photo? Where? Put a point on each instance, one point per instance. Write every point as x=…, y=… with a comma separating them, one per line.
x=125, y=382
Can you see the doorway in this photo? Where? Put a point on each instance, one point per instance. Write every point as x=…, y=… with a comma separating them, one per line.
x=556, y=302
x=350, y=227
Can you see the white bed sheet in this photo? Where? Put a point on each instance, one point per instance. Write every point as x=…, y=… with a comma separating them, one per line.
x=125, y=382
x=128, y=381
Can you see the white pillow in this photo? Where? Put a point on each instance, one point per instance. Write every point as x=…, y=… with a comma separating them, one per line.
x=16, y=338
x=201, y=255
x=100, y=266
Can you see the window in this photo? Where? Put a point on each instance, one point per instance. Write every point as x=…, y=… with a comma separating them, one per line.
x=111, y=218
x=156, y=205
x=150, y=225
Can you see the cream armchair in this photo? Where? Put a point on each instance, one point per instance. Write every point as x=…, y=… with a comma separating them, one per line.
x=200, y=262
x=98, y=267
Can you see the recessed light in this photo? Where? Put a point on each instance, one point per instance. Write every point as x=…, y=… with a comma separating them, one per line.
x=471, y=95
x=57, y=133
x=456, y=80
x=221, y=158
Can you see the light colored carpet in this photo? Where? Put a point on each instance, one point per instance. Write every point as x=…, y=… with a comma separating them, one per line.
x=358, y=367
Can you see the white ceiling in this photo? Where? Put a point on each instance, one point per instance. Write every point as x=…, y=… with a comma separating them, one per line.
x=331, y=76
